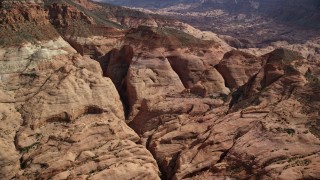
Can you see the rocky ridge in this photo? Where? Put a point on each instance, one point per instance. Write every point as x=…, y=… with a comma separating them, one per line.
x=60, y=118
x=254, y=23
x=129, y=103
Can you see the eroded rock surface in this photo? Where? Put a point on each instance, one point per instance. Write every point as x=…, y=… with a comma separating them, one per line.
x=237, y=67
x=60, y=118
x=73, y=123
x=10, y=121
x=149, y=77
x=195, y=72
x=265, y=134
x=70, y=122
x=197, y=110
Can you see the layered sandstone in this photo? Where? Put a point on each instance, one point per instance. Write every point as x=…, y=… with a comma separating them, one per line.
x=60, y=118
x=237, y=67
x=197, y=108
x=70, y=121
x=150, y=77
x=63, y=15
x=261, y=132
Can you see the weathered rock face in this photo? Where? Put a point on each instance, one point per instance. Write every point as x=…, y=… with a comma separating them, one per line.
x=118, y=65
x=157, y=69
x=276, y=65
x=62, y=15
x=15, y=14
x=150, y=77
x=22, y=23
x=95, y=146
x=60, y=118
x=70, y=122
x=170, y=126
x=115, y=65
x=265, y=134
x=10, y=121
x=237, y=67
x=190, y=57
x=194, y=71
x=96, y=46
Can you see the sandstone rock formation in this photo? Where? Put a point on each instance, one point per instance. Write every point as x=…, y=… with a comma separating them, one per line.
x=61, y=119
x=10, y=121
x=194, y=70
x=184, y=62
x=149, y=102
x=72, y=121
x=118, y=65
x=264, y=135
x=23, y=23
x=149, y=77
x=237, y=67
x=62, y=15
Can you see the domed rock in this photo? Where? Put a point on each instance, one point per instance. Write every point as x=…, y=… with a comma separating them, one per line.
x=150, y=77
x=192, y=69
x=237, y=67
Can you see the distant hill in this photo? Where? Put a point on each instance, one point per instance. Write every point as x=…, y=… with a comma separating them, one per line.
x=306, y=12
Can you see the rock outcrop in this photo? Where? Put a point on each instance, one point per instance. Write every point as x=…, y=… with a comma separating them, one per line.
x=265, y=134
x=118, y=65
x=237, y=67
x=150, y=77
x=63, y=15
x=70, y=122
x=157, y=102
x=60, y=118
x=183, y=63
x=196, y=72
x=10, y=121
x=24, y=22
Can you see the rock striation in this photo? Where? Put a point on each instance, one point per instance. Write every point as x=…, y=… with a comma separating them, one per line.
x=238, y=67
x=60, y=118
x=66, y=117
x=264, y=133
x=161, y=102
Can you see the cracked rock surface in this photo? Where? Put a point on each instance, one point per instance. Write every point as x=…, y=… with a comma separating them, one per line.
x=156, y=103
x=61, y=119
x=263, y=131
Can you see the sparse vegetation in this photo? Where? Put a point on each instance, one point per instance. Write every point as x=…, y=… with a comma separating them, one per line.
x=314, y=127
x=99, y=16
x=164, y=37
x=26, y=32
x=304, y=162
x=310, y=97
x=30, y=74
x=276, y=160
x=285, y=55
x=76, y=28
x=289, y=131
x=28, y=148
x=290, y=70
x=312, y=79
x=38, y=135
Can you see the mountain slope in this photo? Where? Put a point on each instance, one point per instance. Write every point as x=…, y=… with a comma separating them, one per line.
x=270, y=20
x=59, y=117
x=303, y=12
